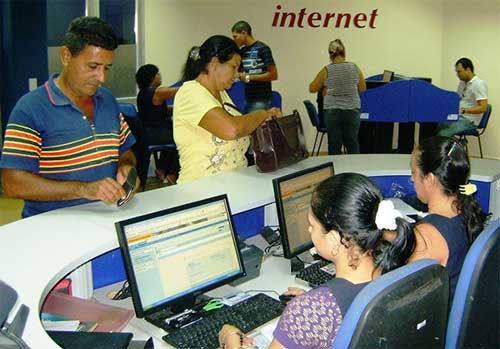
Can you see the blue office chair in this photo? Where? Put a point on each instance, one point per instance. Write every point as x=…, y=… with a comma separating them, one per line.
x=316, y=122
x=143, y=151
x=475, y=311
x=405, y=308
x=479, y=130
x=11, y=333
x=276, y=100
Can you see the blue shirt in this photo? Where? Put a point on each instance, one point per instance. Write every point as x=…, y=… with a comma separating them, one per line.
x=49, y=136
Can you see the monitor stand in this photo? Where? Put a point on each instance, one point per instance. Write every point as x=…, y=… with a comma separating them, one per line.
x=184, y=311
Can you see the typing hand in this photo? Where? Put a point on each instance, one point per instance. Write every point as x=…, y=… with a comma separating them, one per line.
x=294, y=291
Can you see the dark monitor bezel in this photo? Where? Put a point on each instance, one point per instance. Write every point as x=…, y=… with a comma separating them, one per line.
x=125, y=252
x=287, y=253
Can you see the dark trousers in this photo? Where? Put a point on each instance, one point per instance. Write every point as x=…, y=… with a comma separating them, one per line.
x=342, y=127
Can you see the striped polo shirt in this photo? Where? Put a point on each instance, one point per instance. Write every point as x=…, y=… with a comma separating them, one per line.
x=49, y=136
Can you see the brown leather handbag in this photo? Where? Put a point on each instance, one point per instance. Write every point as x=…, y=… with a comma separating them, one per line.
x=279, y=142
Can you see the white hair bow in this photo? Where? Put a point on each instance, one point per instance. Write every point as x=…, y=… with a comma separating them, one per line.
x=386, y=215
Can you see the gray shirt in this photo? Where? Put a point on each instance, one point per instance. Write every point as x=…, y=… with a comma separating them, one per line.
x=342, y=86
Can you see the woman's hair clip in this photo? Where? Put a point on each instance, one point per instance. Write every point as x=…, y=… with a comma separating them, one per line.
x=467, y=189
x=195, y=54
x=455, y=144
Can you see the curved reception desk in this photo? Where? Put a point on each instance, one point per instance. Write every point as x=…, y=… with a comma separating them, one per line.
x=39, y=251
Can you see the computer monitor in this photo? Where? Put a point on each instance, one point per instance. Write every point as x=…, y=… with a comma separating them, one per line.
x=293, y=199
x=174, y=255
x=387, y=76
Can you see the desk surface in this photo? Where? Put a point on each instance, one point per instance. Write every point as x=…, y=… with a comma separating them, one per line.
x=37, y=252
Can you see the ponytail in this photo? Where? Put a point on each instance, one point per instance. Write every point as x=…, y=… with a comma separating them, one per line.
x=390, y=254
x=473, y=215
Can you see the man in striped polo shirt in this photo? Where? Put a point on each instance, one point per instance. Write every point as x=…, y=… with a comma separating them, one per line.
x=66, y=142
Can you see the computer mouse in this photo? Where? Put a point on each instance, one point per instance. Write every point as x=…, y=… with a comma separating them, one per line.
x=285, y=298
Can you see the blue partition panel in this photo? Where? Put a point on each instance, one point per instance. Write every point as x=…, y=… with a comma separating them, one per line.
x=108, y=268
x=429, y=103
x=387, y=103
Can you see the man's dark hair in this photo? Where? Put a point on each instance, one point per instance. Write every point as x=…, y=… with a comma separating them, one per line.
x=242, y=26
x=84, y=31
x=466, y=63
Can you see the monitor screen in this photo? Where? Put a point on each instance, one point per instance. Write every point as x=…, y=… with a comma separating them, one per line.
x=293, y=199
x=179, y=253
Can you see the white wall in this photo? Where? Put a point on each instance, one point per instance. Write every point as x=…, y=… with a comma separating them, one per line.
x=409, y=39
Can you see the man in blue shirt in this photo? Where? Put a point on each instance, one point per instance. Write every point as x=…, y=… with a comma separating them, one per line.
x=259, y=68
x=66, y=142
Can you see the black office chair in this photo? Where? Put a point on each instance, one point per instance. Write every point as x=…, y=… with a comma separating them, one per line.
x=405, y=308
x=478, y=131
x=315, y=121
x=11, y=333
x=475, y=311
x=142, y=150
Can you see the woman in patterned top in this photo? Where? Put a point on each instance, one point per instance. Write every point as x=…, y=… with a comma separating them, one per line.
x=350, y=225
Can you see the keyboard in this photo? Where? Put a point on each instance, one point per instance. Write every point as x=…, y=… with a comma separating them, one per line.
x=314, y=275
x=246, y=315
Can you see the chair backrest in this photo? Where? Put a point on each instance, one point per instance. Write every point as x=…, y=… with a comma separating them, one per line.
x=486, y=116
x=405, y=308
x=128, y=109
x=311, y=111
x=11, y=333
x=8, y=298
x=475, y=311
x=276, y=99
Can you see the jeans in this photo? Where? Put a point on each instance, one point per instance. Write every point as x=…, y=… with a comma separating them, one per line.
x=342, y=128
x=450, y=129
x=251, y=106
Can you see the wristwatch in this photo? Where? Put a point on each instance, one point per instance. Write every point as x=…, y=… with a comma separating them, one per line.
x=247, y=78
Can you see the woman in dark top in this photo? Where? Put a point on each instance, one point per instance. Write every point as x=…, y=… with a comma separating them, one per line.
x=347, y=221
x=440, y=171
x=156, y=121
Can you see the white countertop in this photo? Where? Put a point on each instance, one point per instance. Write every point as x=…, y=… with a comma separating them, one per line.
x=37, y=252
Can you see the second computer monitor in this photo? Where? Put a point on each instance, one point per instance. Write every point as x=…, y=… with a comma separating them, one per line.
x=293, y=199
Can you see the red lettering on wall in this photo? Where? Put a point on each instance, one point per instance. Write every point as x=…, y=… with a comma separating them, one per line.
x=302, y=18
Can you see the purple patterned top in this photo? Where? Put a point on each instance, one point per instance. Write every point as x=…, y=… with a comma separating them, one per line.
x=312, y=320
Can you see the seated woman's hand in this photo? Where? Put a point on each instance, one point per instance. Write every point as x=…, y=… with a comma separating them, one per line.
x=231, y=337
x=294, y=291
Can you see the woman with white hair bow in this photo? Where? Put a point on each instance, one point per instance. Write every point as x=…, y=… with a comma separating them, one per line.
x=349, y=224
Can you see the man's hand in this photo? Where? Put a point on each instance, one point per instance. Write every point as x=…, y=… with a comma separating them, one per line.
x=107, y=190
